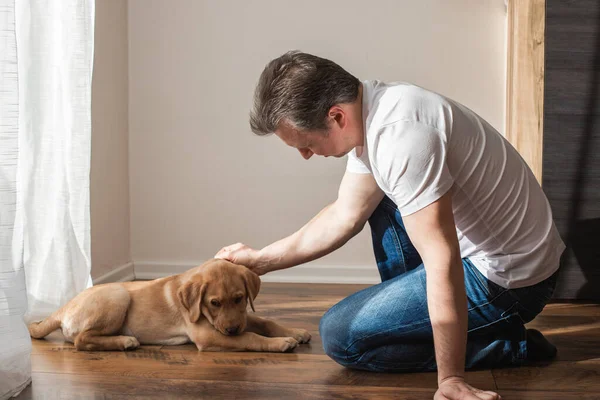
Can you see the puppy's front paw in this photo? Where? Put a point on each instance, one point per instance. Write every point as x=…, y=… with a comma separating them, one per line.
x=130, y=343
x=283, y=344
x=301, y=335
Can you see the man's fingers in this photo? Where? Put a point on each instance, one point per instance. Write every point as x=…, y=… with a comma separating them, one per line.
x=488, y=395
x=440, y=396
x=463, y=391
x=227, y=250
x=234, y=247
x=491, y=396
x=221, y=253
x=474, y=395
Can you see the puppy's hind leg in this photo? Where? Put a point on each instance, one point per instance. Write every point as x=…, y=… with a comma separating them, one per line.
x=38, y=330
x=94, y=341
x=100, y=319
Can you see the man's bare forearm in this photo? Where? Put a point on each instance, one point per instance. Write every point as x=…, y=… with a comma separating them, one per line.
x=448, y=312
x=326, y=232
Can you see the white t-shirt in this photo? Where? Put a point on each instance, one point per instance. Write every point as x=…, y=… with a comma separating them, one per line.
x=419, y=144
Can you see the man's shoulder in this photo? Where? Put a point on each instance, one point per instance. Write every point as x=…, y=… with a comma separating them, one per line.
x=391, y=92
x=402, y=101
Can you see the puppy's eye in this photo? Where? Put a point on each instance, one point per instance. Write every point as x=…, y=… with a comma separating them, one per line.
x=215, y=303
x=238, y=299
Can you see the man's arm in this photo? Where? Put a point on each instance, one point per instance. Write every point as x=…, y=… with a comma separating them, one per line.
x=433, y=233
x=358, y=196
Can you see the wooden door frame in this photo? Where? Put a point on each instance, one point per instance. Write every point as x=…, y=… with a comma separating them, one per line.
x=525, y=80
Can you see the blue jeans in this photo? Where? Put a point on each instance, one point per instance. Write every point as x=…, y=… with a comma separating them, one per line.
x=386, y=327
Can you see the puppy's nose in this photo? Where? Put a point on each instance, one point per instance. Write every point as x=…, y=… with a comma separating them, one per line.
x=233, y=330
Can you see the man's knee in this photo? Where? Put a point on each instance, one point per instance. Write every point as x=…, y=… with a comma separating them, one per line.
x=338, y=339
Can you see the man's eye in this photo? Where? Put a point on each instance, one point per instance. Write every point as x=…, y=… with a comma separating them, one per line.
x=215, y=303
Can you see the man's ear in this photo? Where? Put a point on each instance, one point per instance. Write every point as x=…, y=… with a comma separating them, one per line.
x=190, y=295
x=338, y=116
x=252, y=285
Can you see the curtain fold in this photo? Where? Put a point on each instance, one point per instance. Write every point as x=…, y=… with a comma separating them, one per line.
x=55, y=42
x=15, y=344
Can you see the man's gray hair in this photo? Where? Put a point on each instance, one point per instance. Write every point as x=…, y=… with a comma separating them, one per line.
x=298, y=89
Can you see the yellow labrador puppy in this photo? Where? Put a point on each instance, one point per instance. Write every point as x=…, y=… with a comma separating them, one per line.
x=205, y=305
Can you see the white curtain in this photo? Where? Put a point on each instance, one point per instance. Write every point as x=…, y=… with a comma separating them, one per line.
x=15, y=345
x=46, y=54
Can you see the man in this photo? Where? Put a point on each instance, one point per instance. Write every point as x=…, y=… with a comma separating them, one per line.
x=463, y=234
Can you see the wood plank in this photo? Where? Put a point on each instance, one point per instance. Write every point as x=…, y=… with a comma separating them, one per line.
x=190, y=364
x=565, y=135
x=579, y=279
x=576, y=10
x=572, y=309
x=569, y=91
x=571, y=139
x=571, y=44
x=576, y=337
x=579, y=376
x=525, y=80
x=62, y=386
x=547, y=395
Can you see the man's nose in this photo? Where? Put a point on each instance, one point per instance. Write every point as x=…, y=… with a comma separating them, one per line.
x=306, y=153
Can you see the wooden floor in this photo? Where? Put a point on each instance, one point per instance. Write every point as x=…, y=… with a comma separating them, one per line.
x=180, y=372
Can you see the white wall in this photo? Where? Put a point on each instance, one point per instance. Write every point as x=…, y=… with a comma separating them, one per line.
x=109, y=197
x=199, y=179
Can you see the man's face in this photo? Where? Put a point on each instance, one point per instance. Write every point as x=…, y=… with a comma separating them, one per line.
x=336, y=143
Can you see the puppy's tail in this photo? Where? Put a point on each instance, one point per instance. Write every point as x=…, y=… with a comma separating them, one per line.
x=38, y=330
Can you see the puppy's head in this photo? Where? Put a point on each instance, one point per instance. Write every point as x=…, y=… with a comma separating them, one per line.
x=220, y=291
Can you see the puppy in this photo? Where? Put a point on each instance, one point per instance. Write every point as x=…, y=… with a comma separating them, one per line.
x=205, y=305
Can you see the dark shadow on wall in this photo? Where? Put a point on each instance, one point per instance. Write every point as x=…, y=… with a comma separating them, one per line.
x=583, y=235
x=584, y=241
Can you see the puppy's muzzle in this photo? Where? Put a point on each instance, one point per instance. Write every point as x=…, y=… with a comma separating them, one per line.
x=233, y=330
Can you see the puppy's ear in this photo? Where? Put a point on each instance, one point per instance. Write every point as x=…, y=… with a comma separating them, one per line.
x=190, y=295
x=252, y=285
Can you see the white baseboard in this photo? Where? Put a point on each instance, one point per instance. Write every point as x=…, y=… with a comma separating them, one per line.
x=308, y=273
x=124, y=273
